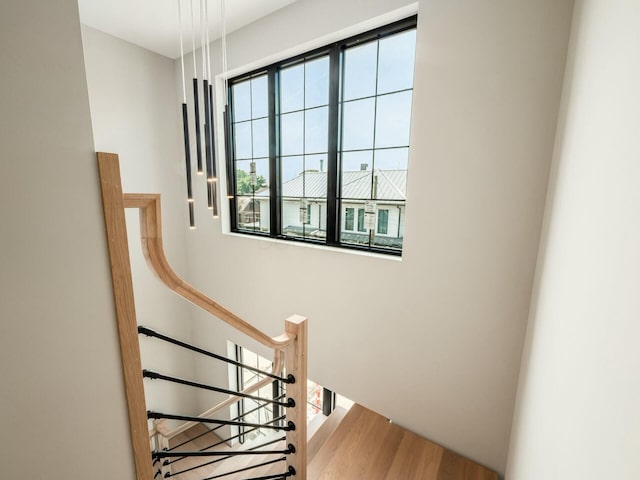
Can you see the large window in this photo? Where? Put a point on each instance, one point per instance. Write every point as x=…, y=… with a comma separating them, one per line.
x=320, y=143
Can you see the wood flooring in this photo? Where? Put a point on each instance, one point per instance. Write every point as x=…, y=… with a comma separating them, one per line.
x=365, y=446
x=357, y=444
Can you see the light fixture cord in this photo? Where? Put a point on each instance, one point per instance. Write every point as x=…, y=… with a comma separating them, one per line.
x=223, y=21
x=208, y=47
x=184, y=88
x=193, y=41
x=202, y=40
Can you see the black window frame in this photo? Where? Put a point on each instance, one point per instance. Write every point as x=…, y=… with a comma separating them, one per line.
x=333, y=211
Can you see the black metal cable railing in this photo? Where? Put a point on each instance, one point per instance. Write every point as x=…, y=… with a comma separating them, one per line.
x=213, y=430
x=226, y=440
x=186, y=418
x=152, y=333
x=274, y=402
x=218, y=460
x=246, y=469
x=158, y=376
x=218, y=453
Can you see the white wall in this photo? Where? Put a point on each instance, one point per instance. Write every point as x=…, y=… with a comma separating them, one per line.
x=135, y=114
x=442, y=330
x=62, y=394
x=577, y=413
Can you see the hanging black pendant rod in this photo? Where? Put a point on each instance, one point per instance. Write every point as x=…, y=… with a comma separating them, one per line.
x=152, y=333
x=196, y=106
x=196, y=101
x=214, y=170
x=187, y=157
x=185, y=126
x=214, y=180
x=210, y=120
x=158, y=376
x=246, y=469
x=205, y=94
x=207, y=432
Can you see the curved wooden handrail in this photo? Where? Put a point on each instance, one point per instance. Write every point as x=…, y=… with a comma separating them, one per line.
x=290, y=348
x=151, y=237
x=278, y=367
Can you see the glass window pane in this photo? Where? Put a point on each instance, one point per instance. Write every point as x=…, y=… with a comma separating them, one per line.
x=260, y=137
x=291, y=168
x=315, y=176
x=393, y=120
x=246, y=184
x=316, y=130
x=292, y=133
x=396, y=62
x=392, y=159
x=242, y=144
x=360, y=71
x=390, y=227
x=292, y=88
x=316, y=219
x=252, y=213
x=241, y=95
x=316, y=88
x=291, y=224
x=357, y=124
x=259, y=97
x=356, y=174
x=304, y=218
x=390, y=184
x=357, y=161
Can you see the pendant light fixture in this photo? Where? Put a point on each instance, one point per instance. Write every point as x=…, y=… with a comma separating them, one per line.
x=185, y=126
x=203, y=105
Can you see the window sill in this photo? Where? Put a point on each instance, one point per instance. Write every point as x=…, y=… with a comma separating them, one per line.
x=326, y=248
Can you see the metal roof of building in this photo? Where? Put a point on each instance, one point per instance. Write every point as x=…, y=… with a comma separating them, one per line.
x=391, y=185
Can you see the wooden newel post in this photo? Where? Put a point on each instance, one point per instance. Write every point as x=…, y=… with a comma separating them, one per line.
x=296, y=364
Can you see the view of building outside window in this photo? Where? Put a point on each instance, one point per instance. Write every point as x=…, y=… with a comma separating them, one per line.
x=251, y=147
x=376, y=117
x=374, y=110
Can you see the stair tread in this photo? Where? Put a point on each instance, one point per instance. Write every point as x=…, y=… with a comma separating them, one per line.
x=352, y=444
x=325, y=430
x=367, y=445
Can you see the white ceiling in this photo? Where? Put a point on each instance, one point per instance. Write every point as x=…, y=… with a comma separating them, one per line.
x=153, y=24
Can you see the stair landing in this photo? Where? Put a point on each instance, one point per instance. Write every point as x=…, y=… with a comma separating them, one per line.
x=366, y=446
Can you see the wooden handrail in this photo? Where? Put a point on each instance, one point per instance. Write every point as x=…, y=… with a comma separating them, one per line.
x=151, y=237
x=278, y=366
x=290, y=348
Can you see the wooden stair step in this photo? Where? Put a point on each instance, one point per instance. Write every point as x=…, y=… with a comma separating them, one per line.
x=366, y=445
x=197, y=442
x=323, y=433
x=242, y=461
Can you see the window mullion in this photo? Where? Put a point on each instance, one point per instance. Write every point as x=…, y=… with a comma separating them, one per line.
x=333, y=190
x=274, y=165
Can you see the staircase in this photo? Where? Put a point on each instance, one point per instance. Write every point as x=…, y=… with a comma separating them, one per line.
x=357, y=444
